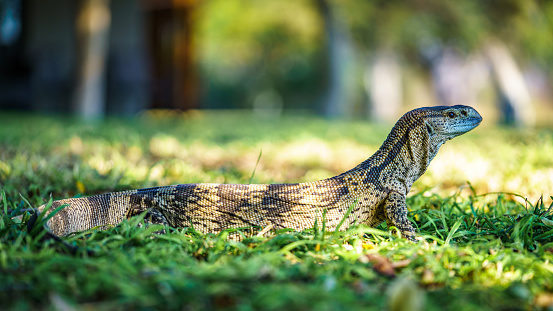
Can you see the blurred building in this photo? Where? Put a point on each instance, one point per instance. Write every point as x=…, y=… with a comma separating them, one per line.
x=50, y=48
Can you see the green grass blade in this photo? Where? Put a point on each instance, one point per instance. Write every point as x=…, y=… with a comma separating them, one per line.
x=454, y=229
x=255, y=167
x=5, y=202
x=444, y=222
x=544, y=235
x=346, y=215
x=296, y=244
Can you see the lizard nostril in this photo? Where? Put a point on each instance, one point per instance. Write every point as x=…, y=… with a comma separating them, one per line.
x=464, y=113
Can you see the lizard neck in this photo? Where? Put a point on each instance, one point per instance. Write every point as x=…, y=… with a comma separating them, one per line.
x=401, y=160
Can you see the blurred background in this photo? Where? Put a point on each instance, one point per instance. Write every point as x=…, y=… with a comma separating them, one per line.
x=337, y=58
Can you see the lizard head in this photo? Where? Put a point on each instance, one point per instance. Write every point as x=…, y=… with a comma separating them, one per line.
x=446, y=122
x=418, y=135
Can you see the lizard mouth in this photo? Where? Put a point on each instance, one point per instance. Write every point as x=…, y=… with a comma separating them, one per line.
x=467, y=125
x=473, y=122
x=476, y=120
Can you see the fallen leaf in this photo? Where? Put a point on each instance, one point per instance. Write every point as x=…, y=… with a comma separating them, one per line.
x=401, y=263
x=80, y=186
x=381, y=264
x=368, y=245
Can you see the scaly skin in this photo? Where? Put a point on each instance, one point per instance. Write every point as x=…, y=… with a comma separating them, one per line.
x=378, y=188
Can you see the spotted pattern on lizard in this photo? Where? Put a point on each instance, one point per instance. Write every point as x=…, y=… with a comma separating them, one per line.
x=377, y=187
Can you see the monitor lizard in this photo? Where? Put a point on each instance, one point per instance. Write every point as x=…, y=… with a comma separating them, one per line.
x=372, y=192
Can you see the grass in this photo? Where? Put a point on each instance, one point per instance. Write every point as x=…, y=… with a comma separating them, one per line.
x=478, y=250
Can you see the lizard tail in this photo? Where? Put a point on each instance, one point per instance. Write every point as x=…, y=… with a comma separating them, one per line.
x=81, y=214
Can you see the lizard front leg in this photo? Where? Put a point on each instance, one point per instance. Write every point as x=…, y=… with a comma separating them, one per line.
x=396, y=215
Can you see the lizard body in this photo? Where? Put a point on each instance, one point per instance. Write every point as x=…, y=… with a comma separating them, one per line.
x=378, y=188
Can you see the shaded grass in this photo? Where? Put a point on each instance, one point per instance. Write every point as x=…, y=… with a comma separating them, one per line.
x=477, y=252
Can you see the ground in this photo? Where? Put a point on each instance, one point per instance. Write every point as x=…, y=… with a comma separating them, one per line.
x=485, y=236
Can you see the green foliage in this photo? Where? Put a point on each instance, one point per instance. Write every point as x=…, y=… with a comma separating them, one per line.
x=476, y=251
x=245, y=49
x=234, y=37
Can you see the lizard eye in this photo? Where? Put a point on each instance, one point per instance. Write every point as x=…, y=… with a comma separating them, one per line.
x=451, y=114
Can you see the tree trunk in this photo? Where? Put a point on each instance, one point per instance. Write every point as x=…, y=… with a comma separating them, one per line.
x=172, y=48
x=383, y=87
x=93, y=23
x=337, y=100
x=514, y=97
